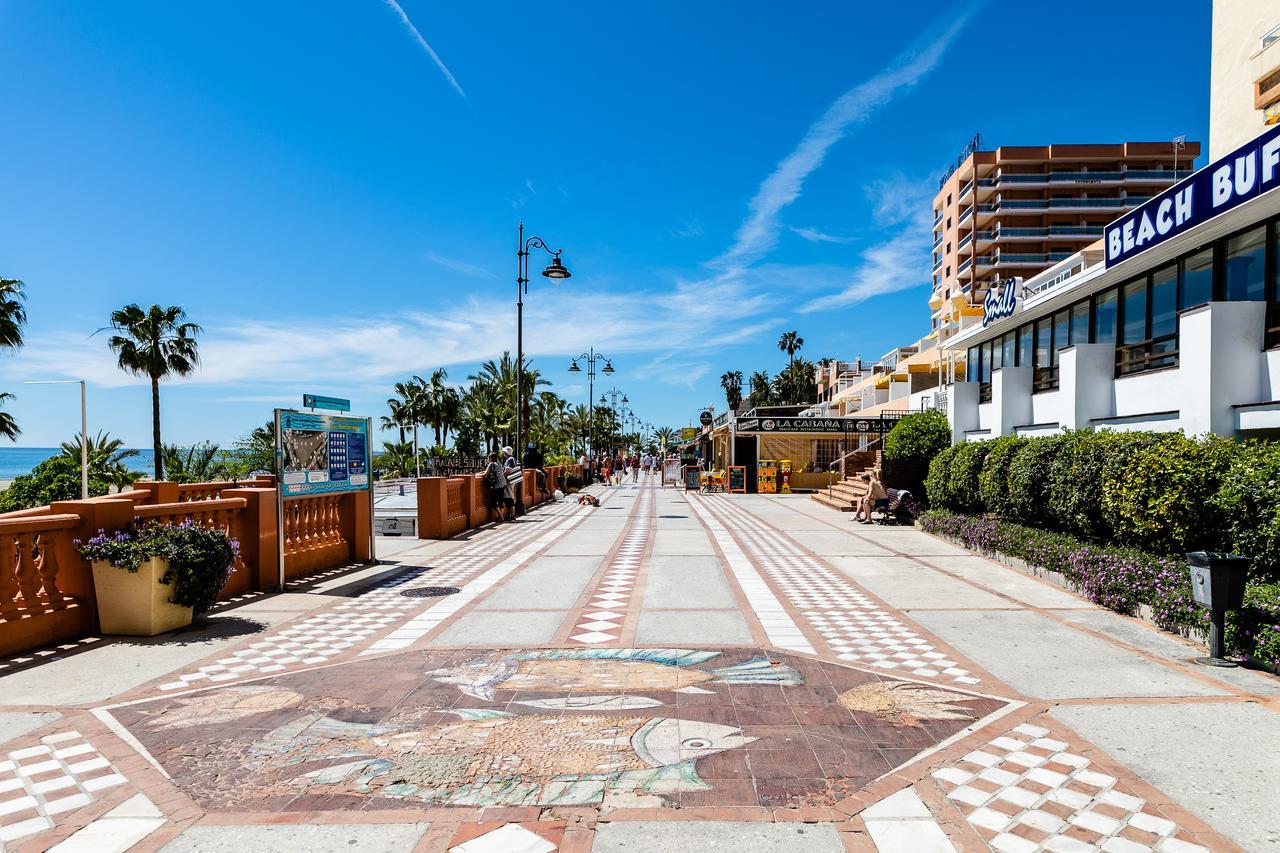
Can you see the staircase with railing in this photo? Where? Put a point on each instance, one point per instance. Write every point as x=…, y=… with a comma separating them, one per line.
x=843, y=495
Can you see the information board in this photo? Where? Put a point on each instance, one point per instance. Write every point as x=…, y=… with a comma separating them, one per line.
x=671, y=473
x=737, y=484
x=692, y=478
x=322, y=454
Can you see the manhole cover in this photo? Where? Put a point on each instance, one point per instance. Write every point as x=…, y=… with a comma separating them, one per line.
x=673, y=516
x=428, y=591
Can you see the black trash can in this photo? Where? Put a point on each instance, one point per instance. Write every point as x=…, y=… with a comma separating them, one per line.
x=1217, y=583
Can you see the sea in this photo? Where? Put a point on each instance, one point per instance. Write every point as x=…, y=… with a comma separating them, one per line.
x=15, y=461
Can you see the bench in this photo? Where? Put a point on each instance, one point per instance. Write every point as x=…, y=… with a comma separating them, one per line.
x=896, y=512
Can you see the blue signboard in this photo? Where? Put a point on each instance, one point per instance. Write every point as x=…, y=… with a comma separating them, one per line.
x=1248, y=172
x=315, y=401
x=323, y=453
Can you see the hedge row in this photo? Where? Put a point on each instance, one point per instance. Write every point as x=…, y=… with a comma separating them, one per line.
x=1163, y=493
x=1121, y=578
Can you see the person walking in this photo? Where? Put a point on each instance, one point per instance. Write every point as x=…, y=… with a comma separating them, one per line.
x=495, y=482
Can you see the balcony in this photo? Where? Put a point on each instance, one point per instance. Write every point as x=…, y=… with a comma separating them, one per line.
x=964, y=216
x=1089, y=232
x=937, y=217
x=1043, y=204
x=1096, y=177
x=966, y=189
x=964, y=265
x=937, y=241
x=937, y=264
x=964, y=241
x=1030, y=258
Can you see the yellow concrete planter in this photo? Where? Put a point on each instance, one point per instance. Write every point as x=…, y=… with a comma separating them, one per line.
x=136, y=602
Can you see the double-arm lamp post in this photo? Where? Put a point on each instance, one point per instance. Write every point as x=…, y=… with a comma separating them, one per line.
x=591, y=357
x=554, y=270
x=613, y=394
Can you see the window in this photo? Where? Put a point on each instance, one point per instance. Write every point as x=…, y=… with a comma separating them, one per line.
x=1104, y=318
x=972, y=366
x=1197, y=278
x=1080, y=323
x=1246, y=265
x=1045, y=374
x=1061, y=332
x=1024, y=346
x=984, y=375
x=1009, y=345
x=1149, y=322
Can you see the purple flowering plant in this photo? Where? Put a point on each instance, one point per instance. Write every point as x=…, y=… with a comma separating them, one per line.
x=200, y=558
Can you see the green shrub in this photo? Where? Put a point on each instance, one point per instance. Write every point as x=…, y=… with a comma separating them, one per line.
x=54, y=479
x=1160, y=496
x=993, y=482
x=1074, y=482
x=1248, y=502
x=962, y=479
x=919, y=436
x=937, y=483
x=1028, y=496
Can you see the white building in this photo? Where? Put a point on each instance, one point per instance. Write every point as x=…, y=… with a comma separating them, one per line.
x=1171, y=322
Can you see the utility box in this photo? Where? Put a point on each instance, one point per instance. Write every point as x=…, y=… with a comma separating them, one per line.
x=1217, y=579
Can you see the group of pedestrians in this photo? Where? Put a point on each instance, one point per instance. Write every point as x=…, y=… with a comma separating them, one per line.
x=503, y=473
x=617, y=469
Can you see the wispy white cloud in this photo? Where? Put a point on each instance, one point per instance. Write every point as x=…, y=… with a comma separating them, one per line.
x=467, y=269
x=898, y=262
x=758, y=234
x=413, y=31
x=528, y=182
x=686, y=229
x=813, y=235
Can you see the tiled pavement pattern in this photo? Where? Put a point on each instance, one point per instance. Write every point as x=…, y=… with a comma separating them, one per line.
x=37, y=784
x=855, y=627
x=335, y=631
x=604, y=614
x=1026, y=792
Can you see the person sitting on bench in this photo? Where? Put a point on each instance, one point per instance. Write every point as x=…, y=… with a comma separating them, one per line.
x=876, y=498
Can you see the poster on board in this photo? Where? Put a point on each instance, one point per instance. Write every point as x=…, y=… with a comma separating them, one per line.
x=737, y=484
x=322, y=454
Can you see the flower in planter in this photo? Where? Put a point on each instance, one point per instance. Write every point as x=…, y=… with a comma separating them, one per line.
x=200, y=559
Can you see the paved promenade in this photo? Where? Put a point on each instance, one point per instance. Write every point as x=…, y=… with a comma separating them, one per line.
x=666, y=672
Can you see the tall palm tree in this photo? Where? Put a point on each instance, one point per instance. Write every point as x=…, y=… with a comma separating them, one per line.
x=731, y=382
x=13, y=317
x=106, y=457
x=399, y=415
x=413, y=391
x=790, y=343
x=761, y=389
x=665, y=437
x=155, y=343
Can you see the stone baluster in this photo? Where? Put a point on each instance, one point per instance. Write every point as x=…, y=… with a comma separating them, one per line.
x=28, y=576
x=8, y=583
x=48, y=568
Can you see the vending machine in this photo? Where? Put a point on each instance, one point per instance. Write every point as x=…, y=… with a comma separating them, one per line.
x=784, y=477
x=768, y=477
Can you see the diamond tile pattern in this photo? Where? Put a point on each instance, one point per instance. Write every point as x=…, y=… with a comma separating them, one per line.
x=855, y=627
x=1026, y=791
x=602, y=618
x=40, y=783
x=352, y=624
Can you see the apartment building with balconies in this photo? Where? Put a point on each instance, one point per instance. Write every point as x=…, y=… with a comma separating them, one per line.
x=1013, y=212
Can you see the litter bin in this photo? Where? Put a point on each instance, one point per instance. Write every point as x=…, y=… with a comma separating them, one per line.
x=1217, y=583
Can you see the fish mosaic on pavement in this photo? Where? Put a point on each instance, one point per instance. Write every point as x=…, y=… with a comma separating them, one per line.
x=612, y=728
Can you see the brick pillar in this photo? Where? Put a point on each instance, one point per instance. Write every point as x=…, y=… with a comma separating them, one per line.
x=432, y=507
x=258, y=535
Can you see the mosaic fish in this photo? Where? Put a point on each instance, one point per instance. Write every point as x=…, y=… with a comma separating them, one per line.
x=606, y=671
x=223, y=706
x=493, y=757
x=905, y=703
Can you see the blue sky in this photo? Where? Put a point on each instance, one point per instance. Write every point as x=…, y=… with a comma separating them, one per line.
x=333, y=192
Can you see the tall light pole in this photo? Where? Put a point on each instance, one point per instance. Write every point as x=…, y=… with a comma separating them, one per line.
x=84, y=430
x=554, y=270
x=613, y=394
x=591, y=357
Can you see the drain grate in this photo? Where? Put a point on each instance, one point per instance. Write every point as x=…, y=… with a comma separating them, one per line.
x=429, y=591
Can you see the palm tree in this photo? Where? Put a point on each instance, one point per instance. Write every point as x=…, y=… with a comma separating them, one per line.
x=106, y=457
x=790, y=343
x=196, y=464
x=731, y=382
x=399, y=414
x=155, y=343
x=255, y=451
x=665, y=437
x=13, y=317
x=761, y=389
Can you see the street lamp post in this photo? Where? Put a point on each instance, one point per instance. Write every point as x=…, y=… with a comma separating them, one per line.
x=554, y=270
x=613, y=394
x=591, y=357
x=84, y=430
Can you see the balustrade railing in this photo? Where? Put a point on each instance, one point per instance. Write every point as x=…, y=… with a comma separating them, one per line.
x=29, y=566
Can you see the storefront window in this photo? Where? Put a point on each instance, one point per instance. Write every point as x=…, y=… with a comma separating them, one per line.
x=1104, y=318
x=1061, y=332
x=1009, y=357
x=1080, y=323
x=1246, y=266
x=1024, y=346
x=1197, y=278
x=1135, y=312
x=1045, y=376
x=973, y=366
x=1164, y=301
